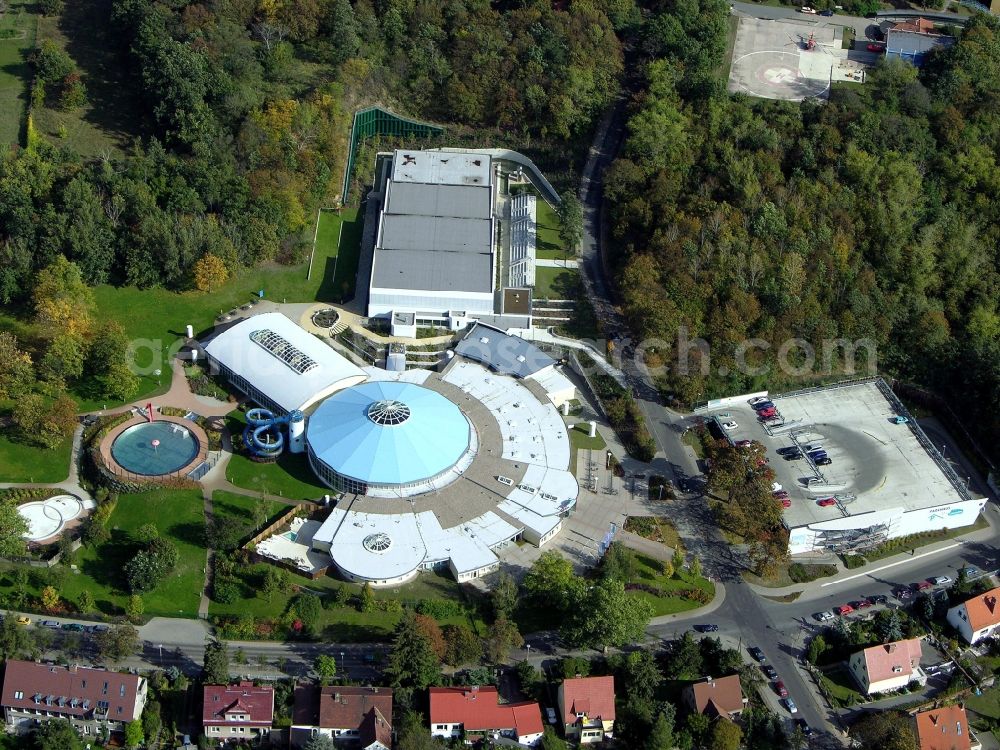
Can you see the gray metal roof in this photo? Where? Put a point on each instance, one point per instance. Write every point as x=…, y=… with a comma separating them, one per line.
x=438, y=200
x=910, y=42
x=506, y=354
x=432, y=271
x=441, y=168
x=435, y=234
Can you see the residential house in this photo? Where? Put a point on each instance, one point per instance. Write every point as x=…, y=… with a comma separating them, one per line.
x=913, y=40
x=889, y=666
x=476, y=711
x=976, y=618
x=91, y=699
x=716, y=696
x=587, y=707
x=945, y=728
x=352, y=716
x=237, y=712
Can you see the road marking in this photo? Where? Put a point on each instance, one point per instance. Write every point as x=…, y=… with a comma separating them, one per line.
x=890, y=565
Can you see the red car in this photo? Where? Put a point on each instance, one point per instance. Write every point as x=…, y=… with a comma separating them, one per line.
x=744, y=443
x=767, y=413
x=845, y=610
x=826, y=502
x=924, y=585
x=786, y=502
x=861, y=603
x=877, y=48
x=780, y=689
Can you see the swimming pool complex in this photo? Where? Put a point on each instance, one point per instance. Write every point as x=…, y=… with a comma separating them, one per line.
x=47, y=518
x=155, y=448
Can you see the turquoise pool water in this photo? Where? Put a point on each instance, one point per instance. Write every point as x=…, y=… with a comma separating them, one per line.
x=134, y=449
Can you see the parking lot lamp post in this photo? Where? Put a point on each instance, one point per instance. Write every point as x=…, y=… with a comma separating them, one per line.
x=343, y=666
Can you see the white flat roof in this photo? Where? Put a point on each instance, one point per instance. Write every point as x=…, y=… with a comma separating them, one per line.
x=441, y=167
x=323, y=370
x=877, y=465
x=554, y=382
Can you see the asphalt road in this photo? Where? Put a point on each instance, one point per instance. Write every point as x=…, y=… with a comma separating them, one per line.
x=860, y=25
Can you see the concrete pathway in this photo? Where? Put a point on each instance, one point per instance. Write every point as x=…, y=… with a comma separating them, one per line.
x=554, y=263
x=209, y=561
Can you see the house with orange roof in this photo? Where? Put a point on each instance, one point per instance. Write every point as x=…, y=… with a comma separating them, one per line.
x=978, y=617
x=475, y=711
x=716, y=696
x=587, y=707
x=945, y=728
x=888, y=666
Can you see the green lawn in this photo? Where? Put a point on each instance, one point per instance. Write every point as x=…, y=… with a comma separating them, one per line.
x=26, y=463
x=179, y=516
x=338, y=250
x=240, y=507
x=346, y=623
x=841, y=686
x=289, y=476
x=650, y=572
x=19, y=20
x=555, y=283
x=110, y=118
x=548, y=244
x=987, y=704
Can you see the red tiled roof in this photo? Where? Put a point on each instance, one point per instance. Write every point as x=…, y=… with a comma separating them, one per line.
x=983, y=610
x=943, y=729
x=477, y=709
x=367, y=709
x=593, y=696
x=892, y=660
x=920, y=26
x=75, y=691
x=723, y=693
x=222, y=701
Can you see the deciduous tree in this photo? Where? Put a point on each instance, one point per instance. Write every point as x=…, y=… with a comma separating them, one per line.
x=13, y=527
x=17, y=374
x=210, y=273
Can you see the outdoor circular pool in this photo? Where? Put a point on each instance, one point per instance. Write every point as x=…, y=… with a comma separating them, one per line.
x=155, y=448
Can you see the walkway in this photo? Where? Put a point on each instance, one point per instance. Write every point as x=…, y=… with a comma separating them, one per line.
x=550, y=263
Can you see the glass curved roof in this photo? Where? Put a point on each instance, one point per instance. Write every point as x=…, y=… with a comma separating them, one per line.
x=362, y=433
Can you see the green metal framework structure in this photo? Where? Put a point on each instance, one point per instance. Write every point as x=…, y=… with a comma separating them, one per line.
x=377, y=121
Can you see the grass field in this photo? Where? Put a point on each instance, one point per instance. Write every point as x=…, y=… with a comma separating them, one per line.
x=548, y=244
x=240, y=507
x=110, y=118
x=346, y=623
x=20, y=21
x=579, y=439
x=555, y=283
x=650, y=572
x=987, y=704
x=179, y=516
x=338, y=250
x=842, y=688
x=290, y=476
x=26, y=463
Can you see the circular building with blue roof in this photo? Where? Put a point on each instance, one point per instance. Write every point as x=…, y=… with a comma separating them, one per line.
x=388, y=438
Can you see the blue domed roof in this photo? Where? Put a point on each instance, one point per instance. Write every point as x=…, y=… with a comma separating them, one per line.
x=388, y=433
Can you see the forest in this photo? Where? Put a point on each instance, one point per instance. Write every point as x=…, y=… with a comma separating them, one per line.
x=874, y=216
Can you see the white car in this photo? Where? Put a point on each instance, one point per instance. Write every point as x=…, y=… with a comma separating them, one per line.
x=824, y=616
x=730, y=425
x=941, y=580
x=792, y=708
x=758, y=400
x=807, y=9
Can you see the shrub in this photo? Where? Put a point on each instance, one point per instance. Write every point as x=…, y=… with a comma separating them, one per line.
x=800, y=573
x=853, y=561
x=226, y=591
x=439, y=610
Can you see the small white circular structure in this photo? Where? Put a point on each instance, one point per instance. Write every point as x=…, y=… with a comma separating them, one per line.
x=47, y=518
x=378, y=543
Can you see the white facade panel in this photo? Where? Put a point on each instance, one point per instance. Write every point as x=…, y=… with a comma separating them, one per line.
x=383, y=302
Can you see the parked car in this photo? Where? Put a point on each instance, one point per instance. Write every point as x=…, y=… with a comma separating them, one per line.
x=550, y=715
x=786, y=502
x=861, y=604
x=812, y=447
x=878, y=49
x=797, y=456
x=23, y=620
x=941, y=580
x=744, y=443
x=770, y=672
x=730, y=425
x=923, y=585
x=768, y=413
x=826, y=13
x=902, y=593
x=73, y=626
x=825, y=461
x=845, y=609
x=706, y=628
x=970, y=571
x=781, y=494
x=807, y=9
x=826, y=502
x=807, y=731
x=824, y=616
x=763, y=405
x=757, y=654
x=99, y=628
x=780, y=689
x=878, y=599
x=790, y=705
x=758, y=400
x=49, y=624
x=788, y=449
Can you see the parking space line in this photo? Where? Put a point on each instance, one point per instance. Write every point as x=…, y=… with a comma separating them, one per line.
x=890, y=565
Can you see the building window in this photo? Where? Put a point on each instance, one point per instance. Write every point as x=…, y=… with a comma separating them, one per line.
x=121, y=690
x=18, y=695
